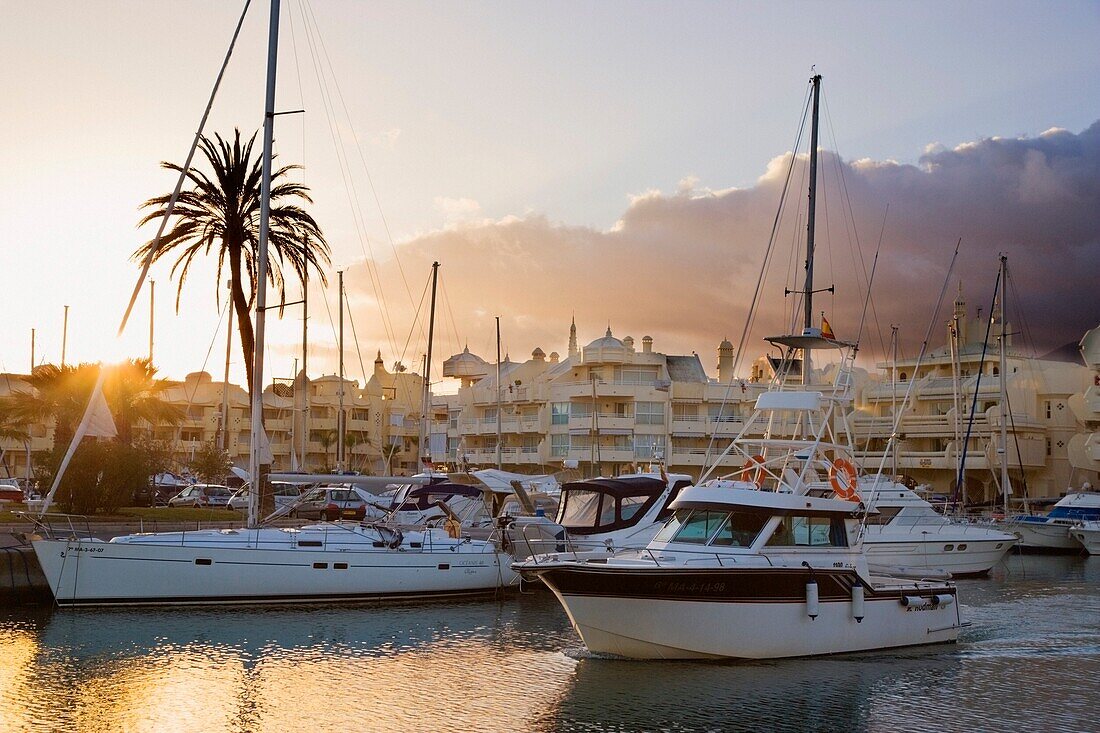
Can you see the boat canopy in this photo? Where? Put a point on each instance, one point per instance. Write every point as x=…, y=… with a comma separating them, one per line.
x=725, y=499
x=606, y=504
x=425, y=497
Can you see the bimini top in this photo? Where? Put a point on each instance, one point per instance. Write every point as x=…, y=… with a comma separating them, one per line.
x=618, y=487
x=603, y=505
x=424, y=497
x=726, y=499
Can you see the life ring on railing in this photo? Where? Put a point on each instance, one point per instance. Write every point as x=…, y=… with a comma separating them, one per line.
x=753, y=471
x=842, y=475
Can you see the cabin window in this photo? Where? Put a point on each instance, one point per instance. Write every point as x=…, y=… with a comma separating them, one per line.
x=631, y=505
x=740, y=529
x=607, y=511
x=795, y=531
x=581, y=508
x=885, y=514
x=672, y=526
x=700, y=527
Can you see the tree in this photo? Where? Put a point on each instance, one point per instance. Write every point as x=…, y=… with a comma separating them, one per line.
x=221, y=216
x=58, y=393
x=134, y=393
x=211, y=463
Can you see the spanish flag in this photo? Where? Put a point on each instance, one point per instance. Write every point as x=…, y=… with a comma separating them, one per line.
x=826, y=329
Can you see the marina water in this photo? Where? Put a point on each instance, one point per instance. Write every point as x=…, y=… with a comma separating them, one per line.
x=1030, y=661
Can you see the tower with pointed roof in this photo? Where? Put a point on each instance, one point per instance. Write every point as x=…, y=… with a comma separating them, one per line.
x=573, y=351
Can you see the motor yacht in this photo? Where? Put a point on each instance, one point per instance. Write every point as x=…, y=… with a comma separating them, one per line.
x=743, y=573
x=1088, y=534
x=1051, y=532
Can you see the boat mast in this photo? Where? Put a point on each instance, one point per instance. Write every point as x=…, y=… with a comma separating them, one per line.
x=1004, y=387
x=340, y=409
x=305, y=371
x=255, y=458
x=808, y=314
x=425, y=428
x=499, y=467
x=894, y=396
x=152, y=288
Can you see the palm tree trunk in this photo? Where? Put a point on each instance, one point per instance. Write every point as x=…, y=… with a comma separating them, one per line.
x=240, y=305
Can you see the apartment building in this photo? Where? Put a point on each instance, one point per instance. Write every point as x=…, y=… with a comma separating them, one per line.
x=950, y=384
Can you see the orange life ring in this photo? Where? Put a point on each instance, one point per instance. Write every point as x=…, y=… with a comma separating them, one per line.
x=842, y=475
x=753, y=467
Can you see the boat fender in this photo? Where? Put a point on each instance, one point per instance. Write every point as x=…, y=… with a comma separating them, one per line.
x=908, y=601
x=942, y=599
x=857, y=603
x=811, y=600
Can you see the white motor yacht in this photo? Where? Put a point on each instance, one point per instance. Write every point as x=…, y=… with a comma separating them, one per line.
x=905, y=533
x=1051, y=532
x=742, y=573
x=1088, y=534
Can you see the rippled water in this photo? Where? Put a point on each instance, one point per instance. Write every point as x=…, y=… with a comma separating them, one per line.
x=1031, y=661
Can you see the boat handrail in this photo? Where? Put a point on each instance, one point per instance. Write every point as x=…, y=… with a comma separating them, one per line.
x=41, y=522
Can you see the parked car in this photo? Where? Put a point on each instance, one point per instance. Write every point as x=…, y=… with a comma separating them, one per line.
x=337, y=502
x=153, y=495
x=202, y=495
x=286, y=494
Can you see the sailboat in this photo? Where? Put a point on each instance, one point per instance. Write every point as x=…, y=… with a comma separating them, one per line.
x=317, y=563
x=760, y=566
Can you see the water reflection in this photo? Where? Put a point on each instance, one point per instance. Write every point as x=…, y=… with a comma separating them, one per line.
x=1030, y=660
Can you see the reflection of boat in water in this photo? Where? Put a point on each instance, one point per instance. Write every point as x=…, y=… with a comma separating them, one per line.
x=822, y=694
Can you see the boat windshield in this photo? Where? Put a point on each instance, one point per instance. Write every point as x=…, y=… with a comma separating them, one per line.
x=717, y=528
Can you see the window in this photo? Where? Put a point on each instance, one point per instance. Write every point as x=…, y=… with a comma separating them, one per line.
x=360, y=414
x=630, y=505
x=885, y=514
x=490, y=413
x=1048, y=410
x=559, y=445
x=700, y=526
x=672, y=526
x=559, y=413
x=191, y=434
x=722, y=413
x=638, y=375
x=453, y=419
x=648, y=446
x=795, y=531
x=740, y=529
x=650, y=413
x=580, y=410
x=684, y=411
x=580, y=508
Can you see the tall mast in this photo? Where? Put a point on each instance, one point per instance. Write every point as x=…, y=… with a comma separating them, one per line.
x=340, y=410
x=255, y=458
x=808, y=315
x=32, y=352
x=305, y=372
x=224, y=443
x=425, y=428
x=1004, y=387
x=894, y=395
x=498, y=395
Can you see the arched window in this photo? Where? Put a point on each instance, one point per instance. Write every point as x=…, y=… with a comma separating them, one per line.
x=903, y=376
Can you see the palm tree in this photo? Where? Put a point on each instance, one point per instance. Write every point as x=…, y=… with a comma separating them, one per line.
x=60, y=393
x=134, y=393
x=221, y=216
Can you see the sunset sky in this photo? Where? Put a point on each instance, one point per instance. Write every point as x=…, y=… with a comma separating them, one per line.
x=620, y=161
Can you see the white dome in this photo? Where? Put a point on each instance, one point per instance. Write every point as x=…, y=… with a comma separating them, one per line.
x=465, y=365
x=606, y=349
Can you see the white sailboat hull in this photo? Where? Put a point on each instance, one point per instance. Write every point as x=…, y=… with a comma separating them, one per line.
x=200, y=569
